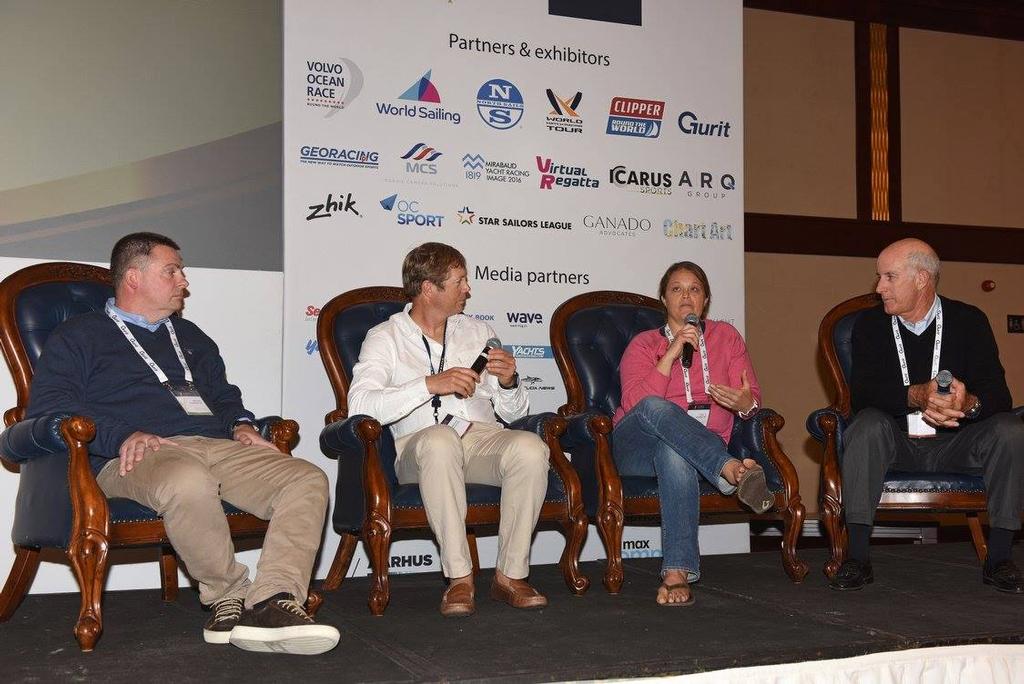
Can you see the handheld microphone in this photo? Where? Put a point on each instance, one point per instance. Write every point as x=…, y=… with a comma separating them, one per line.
x=691, y=319
x=481, y=360
x=944, y=379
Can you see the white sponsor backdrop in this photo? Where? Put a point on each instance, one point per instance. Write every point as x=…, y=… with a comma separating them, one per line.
x=386, y=146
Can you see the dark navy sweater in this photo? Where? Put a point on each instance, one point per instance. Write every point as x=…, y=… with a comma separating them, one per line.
x=88, y=368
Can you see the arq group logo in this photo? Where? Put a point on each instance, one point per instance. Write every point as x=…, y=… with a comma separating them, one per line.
x=564, y=116
x=425, y=93
x=332, y=84
x=420, y=159
x=410, y=213
x=633, y=117
x=499, y=103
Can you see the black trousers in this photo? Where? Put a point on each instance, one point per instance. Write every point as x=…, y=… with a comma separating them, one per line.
x=993, y=449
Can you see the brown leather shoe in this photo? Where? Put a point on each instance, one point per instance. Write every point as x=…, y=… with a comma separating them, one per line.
x=457, y=600
x=518, y=595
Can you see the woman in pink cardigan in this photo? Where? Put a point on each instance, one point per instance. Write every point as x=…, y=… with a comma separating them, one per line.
x=674, y=422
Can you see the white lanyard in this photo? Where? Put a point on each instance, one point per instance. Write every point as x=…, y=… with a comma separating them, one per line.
x=160, y=375
x=704, y=369
x=936, y=350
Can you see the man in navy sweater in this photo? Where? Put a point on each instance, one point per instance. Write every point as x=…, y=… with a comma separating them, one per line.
x=902, y=421
x=173, y=434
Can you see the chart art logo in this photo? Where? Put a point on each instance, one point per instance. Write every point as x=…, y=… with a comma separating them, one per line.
x=422, y=91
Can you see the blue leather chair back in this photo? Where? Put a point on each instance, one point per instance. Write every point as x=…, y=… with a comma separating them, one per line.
x=352, y=324
x=842, y=338
x=39, y=309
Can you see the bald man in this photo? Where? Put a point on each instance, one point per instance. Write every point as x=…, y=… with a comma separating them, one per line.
x=902, y=422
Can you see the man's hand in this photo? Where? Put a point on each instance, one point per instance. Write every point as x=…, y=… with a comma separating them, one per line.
x=501, y=365
x=248, y=435
x=134, y=448
x=738, y=399
x=458, y=380
x=939, y=410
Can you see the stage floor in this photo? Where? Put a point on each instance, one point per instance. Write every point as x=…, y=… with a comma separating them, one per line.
x=747, y=612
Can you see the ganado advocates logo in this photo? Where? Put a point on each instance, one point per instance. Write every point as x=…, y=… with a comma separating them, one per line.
x=697, y=231
x=409, y=212
x=334, y=156
x=493, y=170
x=499, y=103
x=332, y=85
x=636, y=118
x=344, y=203
x=611, y=225
x=644, y=182
x=422, y=91
x=420, y=159
x=563, y=175
x=690, y=124
x=564, y=116
x=522, y=222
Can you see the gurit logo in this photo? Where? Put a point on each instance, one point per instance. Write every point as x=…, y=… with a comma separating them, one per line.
x=690, y=124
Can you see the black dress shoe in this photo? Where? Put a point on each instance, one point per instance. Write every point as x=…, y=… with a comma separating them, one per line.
x=1005, y=576
x=852, y=575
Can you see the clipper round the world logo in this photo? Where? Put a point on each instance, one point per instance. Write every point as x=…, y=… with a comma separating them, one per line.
x=499, y=103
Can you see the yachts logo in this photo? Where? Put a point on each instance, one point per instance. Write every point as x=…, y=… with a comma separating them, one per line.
x=636, y=118
x=564, y=117
x=563, y=176
x=499, y=103
x=427, y=103
x=345, y=203
x=420, y=158
x=332, y=85
x=529, y=351
x=333, y=156
x=690, y=124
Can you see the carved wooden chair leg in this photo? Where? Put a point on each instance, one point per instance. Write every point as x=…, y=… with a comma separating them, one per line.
x=832, y=521
x=793, y=523
x=609, y=524
x=88, y=555
x=314, y=599
x=23, y=571
x=474, y=555
x=980, y=546
x=575, y=533
x=342, y=559
x=168, y=574
x=377, y=536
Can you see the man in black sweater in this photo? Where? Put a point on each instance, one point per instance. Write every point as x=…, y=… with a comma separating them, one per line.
x=173, y=434
x=903, y=420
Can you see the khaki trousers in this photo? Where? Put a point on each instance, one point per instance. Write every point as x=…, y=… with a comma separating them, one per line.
x=442, y=464
x=185, y=484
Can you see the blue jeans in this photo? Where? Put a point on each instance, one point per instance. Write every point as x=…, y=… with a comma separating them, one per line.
x=658, y=439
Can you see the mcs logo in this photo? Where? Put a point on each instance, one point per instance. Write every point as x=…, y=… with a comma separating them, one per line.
x=420, y=158
x=521, y=319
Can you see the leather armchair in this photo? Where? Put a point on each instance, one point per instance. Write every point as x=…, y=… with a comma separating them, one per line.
x=369, y=501
x=589, y=334
x=59, y=504
x=918, y=492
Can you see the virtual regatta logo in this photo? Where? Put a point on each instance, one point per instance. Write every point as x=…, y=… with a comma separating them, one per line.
x=637, y=118
x=333, y=156
x=564, y=116
x=420, y=158
x=499, y=103
x=494, y=171
x=422, y=91
x=563, y=175
x=332, y=85
x=410, y=212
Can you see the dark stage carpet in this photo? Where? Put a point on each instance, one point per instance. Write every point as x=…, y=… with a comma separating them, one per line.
x=747, y=613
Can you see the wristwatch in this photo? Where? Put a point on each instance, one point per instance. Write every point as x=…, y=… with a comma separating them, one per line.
x=515, y=382
x=973, y=412
x=749, y=413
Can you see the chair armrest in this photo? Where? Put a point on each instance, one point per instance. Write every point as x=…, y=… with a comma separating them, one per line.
x=1019, y=410
x=755, y=438
x=284, y=433
x=355, y=443
x=536, y=423
x=817, y=428
x=28, y=439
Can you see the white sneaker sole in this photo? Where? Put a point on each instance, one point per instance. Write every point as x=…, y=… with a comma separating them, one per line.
x=298, y=639
x=212, y=637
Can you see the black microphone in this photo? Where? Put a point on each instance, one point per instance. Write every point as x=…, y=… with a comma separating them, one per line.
x=691, y=319
x=481, y=361
x=944, y=379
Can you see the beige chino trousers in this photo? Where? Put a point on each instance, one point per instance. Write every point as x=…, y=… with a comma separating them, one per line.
x=442, y=464
x=185, y=483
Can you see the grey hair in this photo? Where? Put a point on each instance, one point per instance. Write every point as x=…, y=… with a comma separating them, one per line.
x=925, y=261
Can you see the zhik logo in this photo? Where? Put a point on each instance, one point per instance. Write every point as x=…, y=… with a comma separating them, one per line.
x=345, y=203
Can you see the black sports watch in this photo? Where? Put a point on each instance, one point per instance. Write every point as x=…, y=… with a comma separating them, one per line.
x=515, y=382
x=973, y=412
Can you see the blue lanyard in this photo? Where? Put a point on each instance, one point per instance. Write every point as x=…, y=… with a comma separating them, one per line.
x=435, y=401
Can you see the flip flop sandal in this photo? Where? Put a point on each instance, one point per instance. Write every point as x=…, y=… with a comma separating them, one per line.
x=753, y=490
x=676, y=604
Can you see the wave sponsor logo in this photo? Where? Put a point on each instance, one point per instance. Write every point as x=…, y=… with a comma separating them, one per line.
x=499, y=103
x=494, y=171
x=644, y=182
x=697, y=231
x=429, y=106
x=420, y=159
x=518, y=222
x=511, y=274
x=311, y=312
x=690, y=124
x=706, y=185
x=529, y=351
x=344, y=204
x=410, y=213
x=564, y=116
x=563, y=175
x=522, y=319
x=332, y=85
x=534, y=383
x=312, y=347
x=466, y=216
x=636, y=118
x=334, y=156
x=617, y=225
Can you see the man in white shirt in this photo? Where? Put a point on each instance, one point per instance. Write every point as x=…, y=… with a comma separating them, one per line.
x=414, y=375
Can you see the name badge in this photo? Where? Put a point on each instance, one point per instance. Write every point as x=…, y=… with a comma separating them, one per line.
x=700, y=413
x=916, y=427
x=188, y=397
x=460, y=425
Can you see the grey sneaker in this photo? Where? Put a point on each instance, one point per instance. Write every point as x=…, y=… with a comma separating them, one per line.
x=226, y=614
x=280, y=625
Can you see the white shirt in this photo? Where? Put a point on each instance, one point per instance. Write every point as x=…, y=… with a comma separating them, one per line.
x=922, y=325
x=389, y=382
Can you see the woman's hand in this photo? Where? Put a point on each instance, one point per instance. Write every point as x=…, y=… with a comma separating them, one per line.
x=688, y=333
x=737, y=399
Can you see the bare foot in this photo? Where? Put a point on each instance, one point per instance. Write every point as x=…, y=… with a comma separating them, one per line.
x=734, y=470
x=674, y=589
